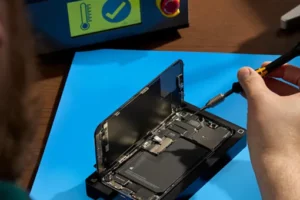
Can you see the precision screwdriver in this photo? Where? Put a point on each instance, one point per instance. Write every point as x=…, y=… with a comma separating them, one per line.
x=263, y=71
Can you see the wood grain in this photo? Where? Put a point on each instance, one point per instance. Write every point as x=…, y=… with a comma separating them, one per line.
x=244, y=26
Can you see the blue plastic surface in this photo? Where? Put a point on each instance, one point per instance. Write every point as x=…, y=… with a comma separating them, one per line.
x=100, y=81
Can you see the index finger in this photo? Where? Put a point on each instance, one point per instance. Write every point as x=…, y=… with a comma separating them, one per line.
x=288, y=73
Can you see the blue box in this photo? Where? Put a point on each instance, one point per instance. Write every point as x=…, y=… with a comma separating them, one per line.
x=65, y=24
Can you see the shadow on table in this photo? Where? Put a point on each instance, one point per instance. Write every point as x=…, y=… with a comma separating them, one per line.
x=272, y=40
x=76, y=193
x=147, y=41
x=58, y=63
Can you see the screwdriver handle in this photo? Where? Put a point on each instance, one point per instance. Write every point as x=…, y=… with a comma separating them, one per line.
x=263, y=71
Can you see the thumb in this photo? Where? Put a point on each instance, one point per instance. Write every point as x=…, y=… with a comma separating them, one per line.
x=252, y=83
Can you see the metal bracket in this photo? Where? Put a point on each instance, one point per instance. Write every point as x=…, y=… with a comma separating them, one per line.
x=180, y=85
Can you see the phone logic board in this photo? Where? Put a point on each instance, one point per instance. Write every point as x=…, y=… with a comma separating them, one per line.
x=173, y=149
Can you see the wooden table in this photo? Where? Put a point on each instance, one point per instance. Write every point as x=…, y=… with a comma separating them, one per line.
x=244, y=26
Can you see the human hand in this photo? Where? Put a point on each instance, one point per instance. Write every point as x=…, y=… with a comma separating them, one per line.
x=274, y=129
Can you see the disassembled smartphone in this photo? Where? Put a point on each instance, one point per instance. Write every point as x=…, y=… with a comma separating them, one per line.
x=155, y=146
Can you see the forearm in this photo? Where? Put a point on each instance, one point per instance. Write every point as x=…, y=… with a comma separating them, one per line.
x=278, y=177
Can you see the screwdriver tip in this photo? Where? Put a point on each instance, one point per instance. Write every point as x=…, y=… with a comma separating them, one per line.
x=228, y=93
x=203, y=108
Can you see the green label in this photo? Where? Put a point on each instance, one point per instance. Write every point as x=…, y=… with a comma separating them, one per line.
x=90, y=16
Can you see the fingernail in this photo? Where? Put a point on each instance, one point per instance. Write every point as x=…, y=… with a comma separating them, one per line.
x=244, y=73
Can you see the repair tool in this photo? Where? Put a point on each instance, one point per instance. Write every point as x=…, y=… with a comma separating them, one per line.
x=263, y=71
